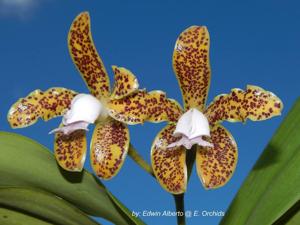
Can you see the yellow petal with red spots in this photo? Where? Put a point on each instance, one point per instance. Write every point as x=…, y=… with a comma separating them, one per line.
x=191, y=66
x=125, y=83
x=86, y=57
x=169, y=164
x=216, y=165
x=254, y=103
x=109, y=147
x=172, y=109
x=142, y=106
x=38, y=104
x=70, y=150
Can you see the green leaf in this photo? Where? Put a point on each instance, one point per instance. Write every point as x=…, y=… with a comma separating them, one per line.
x=291, y=217
x=26, y=163
x=272, y=187
x=293, y=220
x=43, y=205
x=12, y=217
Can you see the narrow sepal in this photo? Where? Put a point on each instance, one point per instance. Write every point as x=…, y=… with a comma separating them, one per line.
x=191, y=66
x=38, y=104
x=86, y=58
x=144, y=106
x=254, y=103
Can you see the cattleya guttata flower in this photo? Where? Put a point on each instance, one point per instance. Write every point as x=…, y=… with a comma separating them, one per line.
x=200, y=125
x=105, y=109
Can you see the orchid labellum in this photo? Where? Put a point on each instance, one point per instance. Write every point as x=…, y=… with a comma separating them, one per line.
x=109, y=111
x=200, y=125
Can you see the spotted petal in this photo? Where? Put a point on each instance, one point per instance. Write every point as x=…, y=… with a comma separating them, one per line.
x=254, y=103
x=38, y=104
x=86, y=57
x=215, y=165
x=191, y=66
x=125, y=83
x=109, y=147
x=142, y=106
x=70, y=150
x=169, y=163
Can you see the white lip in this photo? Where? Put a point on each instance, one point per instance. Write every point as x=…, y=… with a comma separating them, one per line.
x=85, y=109
x=192, y=126
x=66, y=130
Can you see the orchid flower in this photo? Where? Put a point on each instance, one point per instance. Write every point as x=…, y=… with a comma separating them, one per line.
x=198, y=125
x=127, y=103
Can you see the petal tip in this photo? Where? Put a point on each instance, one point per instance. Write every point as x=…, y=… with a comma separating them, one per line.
x=84, y=13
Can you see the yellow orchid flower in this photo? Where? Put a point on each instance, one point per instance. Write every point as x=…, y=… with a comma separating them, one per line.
x=216, y=149
x=126, y=103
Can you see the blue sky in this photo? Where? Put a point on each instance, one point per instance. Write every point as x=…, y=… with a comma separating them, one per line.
x=254, y=42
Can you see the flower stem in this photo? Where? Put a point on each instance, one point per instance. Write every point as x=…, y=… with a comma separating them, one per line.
x=190, y=160
x=179, y=202
x=132, y=152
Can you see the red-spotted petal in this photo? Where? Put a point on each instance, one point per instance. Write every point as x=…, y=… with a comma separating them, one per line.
x=38, y=104
x=191, y=66
x=86, y=57
x=109, y=147
x=142, y=106
x=254, y=103
x=169, y=164
x=215, y=165
x=70, y=150
x=125, y=83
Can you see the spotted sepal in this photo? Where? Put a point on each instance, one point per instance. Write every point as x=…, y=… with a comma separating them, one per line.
x=144, y=106
x=191, y=66
x=86, y=58
x=254, y=103
x=38, y=104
